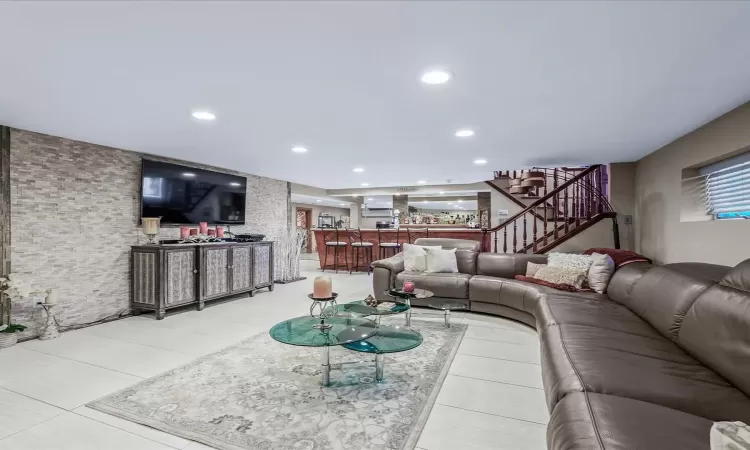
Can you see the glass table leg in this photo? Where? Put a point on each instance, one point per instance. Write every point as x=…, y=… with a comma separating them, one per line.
x=447, y=315
x=379, y=366
x=408, y=313
x=325, y=367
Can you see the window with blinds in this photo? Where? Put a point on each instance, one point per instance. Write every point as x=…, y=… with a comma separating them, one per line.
x=727, y=188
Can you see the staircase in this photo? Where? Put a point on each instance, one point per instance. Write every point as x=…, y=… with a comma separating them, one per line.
x=558, y=204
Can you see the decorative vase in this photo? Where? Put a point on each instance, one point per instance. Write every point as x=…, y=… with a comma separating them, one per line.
x=8, y=340
x=408, y=286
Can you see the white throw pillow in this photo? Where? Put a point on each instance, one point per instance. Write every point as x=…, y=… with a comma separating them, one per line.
x=441, y=261
x=561, y=275
x=533, y=268
x=415, y=257
x=601, y=270
x=569, y=261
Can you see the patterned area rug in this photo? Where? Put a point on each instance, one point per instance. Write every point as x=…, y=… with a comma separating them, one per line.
x=264, y=395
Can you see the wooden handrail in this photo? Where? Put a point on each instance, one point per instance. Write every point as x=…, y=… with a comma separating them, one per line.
x=550, y=194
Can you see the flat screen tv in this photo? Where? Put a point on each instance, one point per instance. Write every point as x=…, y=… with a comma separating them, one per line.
x=185, y=195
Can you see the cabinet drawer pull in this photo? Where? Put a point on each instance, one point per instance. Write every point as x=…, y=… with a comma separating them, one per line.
x=195, y=270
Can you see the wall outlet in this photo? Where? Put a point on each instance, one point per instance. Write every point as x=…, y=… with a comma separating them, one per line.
x=502, y=213
x=627, y=219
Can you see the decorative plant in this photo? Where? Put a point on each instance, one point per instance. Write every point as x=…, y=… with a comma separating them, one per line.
x=11, y=287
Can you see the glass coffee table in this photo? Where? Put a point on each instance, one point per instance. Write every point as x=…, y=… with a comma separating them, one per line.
x=389, y=339
x=344, y=330
x=406, y=297
x=447, y=307
x=361, y=309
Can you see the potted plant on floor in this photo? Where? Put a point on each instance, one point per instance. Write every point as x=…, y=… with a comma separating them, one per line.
x=10, y=287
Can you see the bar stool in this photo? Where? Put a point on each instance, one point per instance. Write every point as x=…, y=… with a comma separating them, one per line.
x=388, y=246
x=332, y=242
x=355, y=240
x=417, y=233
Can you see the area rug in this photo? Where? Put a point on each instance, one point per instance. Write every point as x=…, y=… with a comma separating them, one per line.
x=264, y=395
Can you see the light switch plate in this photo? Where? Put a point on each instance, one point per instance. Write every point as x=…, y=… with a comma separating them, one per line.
x=627, y=219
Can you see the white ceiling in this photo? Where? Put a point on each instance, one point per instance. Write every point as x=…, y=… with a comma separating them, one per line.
x=542, y=83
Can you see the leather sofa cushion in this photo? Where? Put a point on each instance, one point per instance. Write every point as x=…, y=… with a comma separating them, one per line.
x=466, y=251
x=662, y=297
x=620, y=288
x=597, y=421
x=594, y=312
x=716, y=329
x=506, y=265
x=652, y=369
x=702, y=271
x=446, y=285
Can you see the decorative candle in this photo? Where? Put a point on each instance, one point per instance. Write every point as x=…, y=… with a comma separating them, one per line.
x=219, y=231
x=150, y=225
x=193, y=232
x=203, y=227
x=322, y=287
x=51, y=297
x=211, y=232
x=184, y=232
x=408, y=286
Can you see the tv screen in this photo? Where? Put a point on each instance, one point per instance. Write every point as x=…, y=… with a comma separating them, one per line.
x=185, y=195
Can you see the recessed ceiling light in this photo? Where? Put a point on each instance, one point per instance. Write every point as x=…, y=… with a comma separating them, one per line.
x=299, y=149
x=341, y=204
x=397, y=195
x=425, y=201
x=480, y=162
x=235, y=184
x=464, y=133
x=369, y=199
x=436, y=77
x=318, y=200
x=188, y=174
x=359, y=169
x=460, y=201
x=204, y=115
x=441, y=192
x=421, y=182
x=365, y=184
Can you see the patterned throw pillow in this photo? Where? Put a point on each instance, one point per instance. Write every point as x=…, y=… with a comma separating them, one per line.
x=532, y=268
x=569, y=261
x=560, y=275
x=415, y=257
x=441, y=261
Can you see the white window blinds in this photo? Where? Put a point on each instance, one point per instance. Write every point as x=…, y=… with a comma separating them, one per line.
x=727, y=187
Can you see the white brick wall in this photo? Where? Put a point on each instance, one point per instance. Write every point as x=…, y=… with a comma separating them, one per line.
x=74, y=216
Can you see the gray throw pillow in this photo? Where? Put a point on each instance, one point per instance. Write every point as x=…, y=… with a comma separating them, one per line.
x=600, y=272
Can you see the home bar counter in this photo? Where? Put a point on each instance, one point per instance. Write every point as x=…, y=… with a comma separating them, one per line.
x=371, y=235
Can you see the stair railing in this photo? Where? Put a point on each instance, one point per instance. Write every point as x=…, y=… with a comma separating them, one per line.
x=574, y=202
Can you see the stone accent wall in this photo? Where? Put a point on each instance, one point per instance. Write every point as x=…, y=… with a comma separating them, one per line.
x=74, y=216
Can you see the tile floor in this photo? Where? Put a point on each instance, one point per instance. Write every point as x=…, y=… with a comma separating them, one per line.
x=491, y=399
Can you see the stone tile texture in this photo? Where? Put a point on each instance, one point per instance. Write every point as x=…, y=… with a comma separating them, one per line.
x=75, y=214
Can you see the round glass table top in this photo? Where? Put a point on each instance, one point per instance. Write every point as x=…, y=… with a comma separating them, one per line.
x=400, y=293
x=344, y=330
x=448, y=305
x=360, y=309
x=389, y=339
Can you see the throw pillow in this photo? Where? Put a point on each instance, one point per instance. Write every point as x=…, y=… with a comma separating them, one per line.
x=441, y=261
x=569, y=261
x=415, y=257
x=600, y=272
x=561, y=275
x=532, y=268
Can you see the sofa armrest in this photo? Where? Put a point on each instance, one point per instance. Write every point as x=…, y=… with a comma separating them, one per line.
x=384, y=275
x=394, y=264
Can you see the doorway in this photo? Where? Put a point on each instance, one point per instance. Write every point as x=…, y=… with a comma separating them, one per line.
x=304, y=220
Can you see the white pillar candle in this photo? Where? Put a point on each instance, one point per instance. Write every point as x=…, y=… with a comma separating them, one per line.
x=150, y=225
x=322, y=287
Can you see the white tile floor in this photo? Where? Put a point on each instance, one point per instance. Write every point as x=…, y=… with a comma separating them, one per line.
x=491, y=399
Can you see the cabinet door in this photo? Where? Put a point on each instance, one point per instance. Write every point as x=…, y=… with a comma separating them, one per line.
x=242, y=264
x=179, y=276
x=262, y=265
x=216, y=272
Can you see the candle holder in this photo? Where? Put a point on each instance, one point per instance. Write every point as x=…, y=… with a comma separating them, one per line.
x=150, y=227
x=326, y=308
x=50, y=329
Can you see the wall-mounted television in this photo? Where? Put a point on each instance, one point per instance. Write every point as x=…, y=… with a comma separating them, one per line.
x=185, y=195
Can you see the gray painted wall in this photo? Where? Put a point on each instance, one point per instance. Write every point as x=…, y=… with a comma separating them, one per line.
x=74, y=216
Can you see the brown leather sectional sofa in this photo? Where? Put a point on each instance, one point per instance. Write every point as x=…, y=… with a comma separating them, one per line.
x=649, y=365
